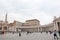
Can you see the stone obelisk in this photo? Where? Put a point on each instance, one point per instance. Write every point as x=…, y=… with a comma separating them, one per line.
x=6, y=21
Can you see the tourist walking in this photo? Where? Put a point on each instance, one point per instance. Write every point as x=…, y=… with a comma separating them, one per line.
x=19, y=34
x=50, y=32
x=55, y=34
x=27, y=32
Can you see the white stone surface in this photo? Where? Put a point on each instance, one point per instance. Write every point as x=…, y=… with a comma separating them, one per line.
x=24, y=36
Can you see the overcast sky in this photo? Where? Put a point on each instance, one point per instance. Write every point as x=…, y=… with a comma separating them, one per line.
x=22, y=10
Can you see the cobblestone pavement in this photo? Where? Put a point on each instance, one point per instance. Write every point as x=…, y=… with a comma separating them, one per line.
x=24, y=36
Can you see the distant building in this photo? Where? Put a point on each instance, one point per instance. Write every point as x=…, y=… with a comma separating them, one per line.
x=13, y=26
x=32, y=22
x=30, y=25
x=48, y=27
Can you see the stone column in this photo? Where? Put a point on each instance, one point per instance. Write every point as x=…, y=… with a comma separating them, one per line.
x=55, y=26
